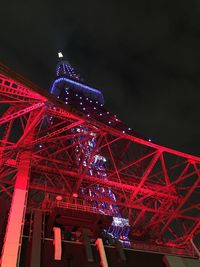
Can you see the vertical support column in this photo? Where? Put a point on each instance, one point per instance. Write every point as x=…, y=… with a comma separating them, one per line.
x=36, y=240
x=102, y=253
x=12, y=240
x=57, y=243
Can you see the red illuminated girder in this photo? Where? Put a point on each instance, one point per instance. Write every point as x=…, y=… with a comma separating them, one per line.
x=21, y=112
x=155, y=187
x=14, y=90
x=55, y=190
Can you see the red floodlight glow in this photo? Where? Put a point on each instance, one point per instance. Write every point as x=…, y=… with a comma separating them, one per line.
x=155, y=187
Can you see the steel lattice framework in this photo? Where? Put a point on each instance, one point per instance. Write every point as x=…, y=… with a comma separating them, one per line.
x=156, y=188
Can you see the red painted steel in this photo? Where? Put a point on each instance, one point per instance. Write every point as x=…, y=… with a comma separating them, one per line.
x=156, y=187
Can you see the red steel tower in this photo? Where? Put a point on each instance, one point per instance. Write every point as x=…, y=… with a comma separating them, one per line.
x=42, y=140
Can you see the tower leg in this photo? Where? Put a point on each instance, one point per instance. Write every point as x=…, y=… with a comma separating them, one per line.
x=12, y=240
x=102, y=253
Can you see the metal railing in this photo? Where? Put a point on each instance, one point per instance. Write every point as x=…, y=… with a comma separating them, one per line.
x=81, y=206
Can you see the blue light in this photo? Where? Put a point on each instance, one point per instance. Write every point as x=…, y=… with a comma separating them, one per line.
x=80, y=85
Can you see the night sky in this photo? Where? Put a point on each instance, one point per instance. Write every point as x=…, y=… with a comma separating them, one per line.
x=144, y=56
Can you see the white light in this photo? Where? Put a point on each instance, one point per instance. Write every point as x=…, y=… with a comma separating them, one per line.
x=60, y=55
x=149, y=140
x=75, y=195
x=58, y=198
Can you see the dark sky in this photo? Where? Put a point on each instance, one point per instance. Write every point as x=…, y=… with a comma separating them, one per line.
x=144, y=55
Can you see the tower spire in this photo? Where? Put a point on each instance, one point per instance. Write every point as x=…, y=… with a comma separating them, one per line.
x=65, y=69
x=60, y=54
x=68, y=80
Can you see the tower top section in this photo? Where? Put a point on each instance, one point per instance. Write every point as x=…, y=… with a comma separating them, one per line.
x=67, y=80
x=64, y=68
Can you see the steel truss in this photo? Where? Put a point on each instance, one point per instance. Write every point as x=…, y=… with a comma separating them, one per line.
x=156, y=187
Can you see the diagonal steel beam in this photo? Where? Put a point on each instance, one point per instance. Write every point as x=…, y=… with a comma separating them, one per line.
x=21, y=112
x=146, y=174
x=183, y=200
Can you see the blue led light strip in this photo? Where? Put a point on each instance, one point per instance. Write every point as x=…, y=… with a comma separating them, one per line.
x=80, y=85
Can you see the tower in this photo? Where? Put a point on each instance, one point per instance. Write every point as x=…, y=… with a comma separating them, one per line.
x=68, y=89
x=48, y=148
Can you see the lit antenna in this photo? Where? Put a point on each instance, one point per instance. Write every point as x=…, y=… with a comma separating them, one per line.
x=60, y=55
